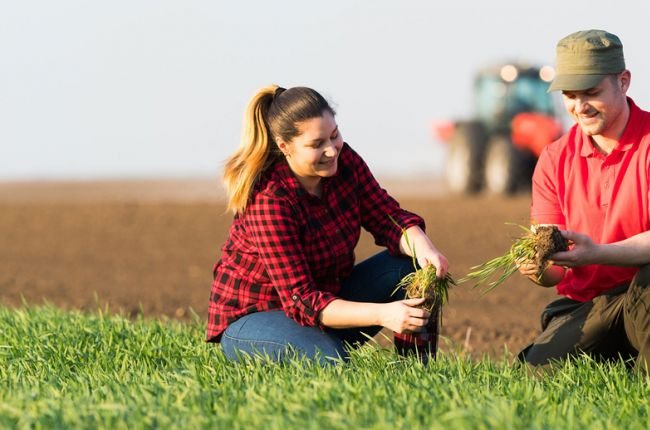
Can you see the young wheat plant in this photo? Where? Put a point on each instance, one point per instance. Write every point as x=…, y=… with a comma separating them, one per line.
x=536, y=244
x=424, y=282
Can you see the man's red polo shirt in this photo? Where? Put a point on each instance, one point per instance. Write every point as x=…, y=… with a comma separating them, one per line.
x=603, y=196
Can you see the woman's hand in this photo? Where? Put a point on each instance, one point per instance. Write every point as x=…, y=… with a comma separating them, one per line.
x=403, y=316
x=425, y=252
x=434, y=257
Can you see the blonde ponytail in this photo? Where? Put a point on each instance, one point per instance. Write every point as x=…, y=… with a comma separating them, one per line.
x=273, y=113
x=244, y=167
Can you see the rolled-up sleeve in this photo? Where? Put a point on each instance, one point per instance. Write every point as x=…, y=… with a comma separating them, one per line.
x=276, y=233
x=377, y=209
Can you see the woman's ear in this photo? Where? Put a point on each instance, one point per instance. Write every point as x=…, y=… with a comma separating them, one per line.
x=282, y=146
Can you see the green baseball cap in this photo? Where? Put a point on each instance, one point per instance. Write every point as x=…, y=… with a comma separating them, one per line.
x=584, y=58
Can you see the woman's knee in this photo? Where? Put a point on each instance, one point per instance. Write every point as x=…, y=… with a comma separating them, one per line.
x=392, y=268
x=403, y=264
x=375, y=279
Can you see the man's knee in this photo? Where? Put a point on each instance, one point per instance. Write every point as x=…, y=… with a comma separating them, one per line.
x=638, y=292
x=642, y=278
x=637, y=312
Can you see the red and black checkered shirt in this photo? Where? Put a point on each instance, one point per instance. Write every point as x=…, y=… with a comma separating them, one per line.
x=290, y=249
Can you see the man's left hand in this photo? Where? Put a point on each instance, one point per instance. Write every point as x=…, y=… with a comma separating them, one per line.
x=583, y=251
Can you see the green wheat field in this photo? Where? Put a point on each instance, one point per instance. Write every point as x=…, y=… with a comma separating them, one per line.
x=61, y=369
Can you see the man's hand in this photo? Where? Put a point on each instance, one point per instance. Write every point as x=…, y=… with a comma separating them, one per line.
x=582, y=252
x=550, y=276
x=527, y=268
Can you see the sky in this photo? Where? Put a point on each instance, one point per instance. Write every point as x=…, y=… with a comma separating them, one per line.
x=156, y=89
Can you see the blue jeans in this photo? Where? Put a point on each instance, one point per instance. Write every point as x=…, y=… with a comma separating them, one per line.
x=277, y=336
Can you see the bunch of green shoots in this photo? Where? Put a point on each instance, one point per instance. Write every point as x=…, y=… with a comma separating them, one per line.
x=523, y=249
x=424, y=282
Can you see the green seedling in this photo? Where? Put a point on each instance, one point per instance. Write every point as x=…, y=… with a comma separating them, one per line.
x=424, y=282
x=537, y=244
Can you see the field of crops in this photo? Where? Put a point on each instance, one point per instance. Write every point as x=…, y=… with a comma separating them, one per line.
x=79, y=247
x=63, y=369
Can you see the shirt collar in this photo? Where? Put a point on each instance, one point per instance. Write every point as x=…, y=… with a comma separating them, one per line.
x=287, y=178
x=628, y=138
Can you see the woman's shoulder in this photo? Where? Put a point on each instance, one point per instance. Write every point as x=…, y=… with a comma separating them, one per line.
x=269, y=189
x=349, y=155
x=350, y=161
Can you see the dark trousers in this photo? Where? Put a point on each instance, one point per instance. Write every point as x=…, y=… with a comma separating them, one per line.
x=612, y=325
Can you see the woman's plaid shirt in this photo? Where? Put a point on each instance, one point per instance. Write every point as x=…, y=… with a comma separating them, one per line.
x=289, y=249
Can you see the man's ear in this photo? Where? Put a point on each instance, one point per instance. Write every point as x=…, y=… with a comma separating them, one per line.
x=624, y=80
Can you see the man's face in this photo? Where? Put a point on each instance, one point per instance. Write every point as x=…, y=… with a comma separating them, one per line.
x=600, y=111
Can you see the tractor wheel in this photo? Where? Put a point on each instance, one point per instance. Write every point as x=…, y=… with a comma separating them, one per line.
x=504, y=167
x=464, y=168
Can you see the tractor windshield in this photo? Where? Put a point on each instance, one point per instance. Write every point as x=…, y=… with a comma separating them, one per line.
x=498, y=101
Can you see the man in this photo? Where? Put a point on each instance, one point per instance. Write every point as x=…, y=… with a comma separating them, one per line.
x=594, y=184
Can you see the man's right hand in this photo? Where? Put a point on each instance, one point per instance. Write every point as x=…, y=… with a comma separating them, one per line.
x=551, y=275
x=527, y=268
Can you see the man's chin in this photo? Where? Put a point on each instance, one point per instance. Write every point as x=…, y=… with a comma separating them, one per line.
x=591, y=129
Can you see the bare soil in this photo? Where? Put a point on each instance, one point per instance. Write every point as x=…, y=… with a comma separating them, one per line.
x=135, y=248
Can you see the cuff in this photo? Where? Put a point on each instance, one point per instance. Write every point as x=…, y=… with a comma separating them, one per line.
x=305, y=308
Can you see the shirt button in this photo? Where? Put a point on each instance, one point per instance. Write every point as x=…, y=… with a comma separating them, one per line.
x=294, y=297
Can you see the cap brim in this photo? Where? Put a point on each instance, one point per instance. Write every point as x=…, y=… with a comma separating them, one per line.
x=575, y=82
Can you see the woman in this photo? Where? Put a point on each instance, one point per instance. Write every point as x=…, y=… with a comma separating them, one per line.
x=286, y=280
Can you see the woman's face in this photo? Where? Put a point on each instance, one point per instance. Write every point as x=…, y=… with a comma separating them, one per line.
x=314, y=152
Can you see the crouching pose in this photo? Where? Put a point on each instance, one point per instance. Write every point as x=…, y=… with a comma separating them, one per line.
x=594, y=184
x=286, y=280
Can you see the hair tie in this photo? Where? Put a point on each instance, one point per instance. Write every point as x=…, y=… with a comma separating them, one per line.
x=278, y=91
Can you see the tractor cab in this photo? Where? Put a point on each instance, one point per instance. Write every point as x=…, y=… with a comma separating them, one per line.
x=514, y=118
x=502, y=94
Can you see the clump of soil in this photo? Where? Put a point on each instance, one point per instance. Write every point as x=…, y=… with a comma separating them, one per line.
x=548, y=241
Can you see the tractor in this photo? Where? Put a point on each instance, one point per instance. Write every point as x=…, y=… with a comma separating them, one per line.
x=515, y=117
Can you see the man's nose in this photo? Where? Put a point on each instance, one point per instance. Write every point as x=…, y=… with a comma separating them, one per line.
x=582, y=105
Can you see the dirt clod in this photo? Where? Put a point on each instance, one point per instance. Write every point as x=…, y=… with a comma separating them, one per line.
x=548, y=241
